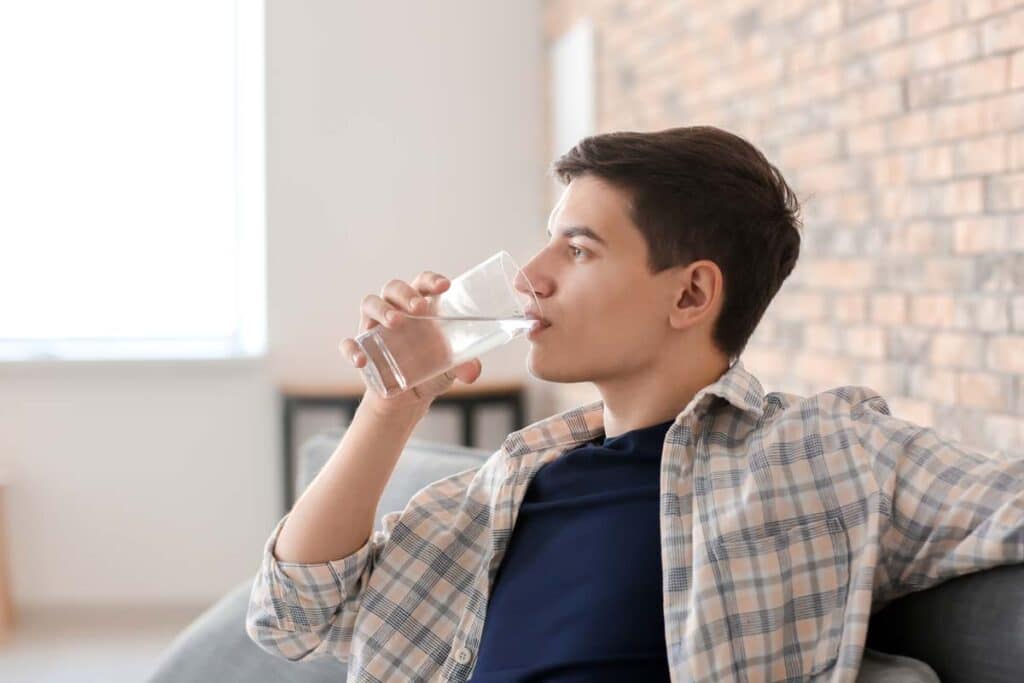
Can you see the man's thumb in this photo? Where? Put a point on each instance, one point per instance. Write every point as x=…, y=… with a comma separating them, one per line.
x=469, y=371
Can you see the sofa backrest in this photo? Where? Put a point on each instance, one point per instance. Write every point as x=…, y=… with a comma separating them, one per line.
x=422, y=462
x=969, y=628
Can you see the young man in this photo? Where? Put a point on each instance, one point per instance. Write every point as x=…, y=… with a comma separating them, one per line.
x=685, y=527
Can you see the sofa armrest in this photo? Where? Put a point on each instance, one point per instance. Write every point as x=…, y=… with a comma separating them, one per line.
x=215, y=647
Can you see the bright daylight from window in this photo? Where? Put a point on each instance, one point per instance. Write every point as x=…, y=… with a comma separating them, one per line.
x=131, y=223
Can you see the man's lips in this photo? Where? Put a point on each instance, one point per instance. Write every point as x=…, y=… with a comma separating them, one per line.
x=535, y=316
x=537, y=329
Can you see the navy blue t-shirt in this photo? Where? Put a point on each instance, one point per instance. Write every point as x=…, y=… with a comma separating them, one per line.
x=578, y=595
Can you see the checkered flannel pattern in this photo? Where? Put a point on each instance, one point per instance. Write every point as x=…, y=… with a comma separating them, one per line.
x=786, y=521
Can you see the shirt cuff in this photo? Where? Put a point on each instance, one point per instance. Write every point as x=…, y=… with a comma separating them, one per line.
x=316, y=587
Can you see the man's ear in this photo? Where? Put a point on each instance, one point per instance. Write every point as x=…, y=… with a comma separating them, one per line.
x=699, y=289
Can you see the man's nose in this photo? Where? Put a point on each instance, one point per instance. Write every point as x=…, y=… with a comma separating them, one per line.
x=524, y=282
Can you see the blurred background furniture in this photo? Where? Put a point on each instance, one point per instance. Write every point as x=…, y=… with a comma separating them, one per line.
x=967, y=630
x=465, y=398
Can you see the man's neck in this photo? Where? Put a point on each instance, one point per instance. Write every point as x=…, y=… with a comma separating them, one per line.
x=654, y=397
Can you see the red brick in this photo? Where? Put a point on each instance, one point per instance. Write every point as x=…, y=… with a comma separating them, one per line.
x=872, y=34
x=878, y=101
x=818, y=84
x=891, y=169
x=850, y=308
x=893, y=62
x=931, y=163
x=908, y=130
x=945, y=274
x=956, y=350
x=982, y=313
x=819, y=370
x=831, y=176
x=932, y=310
x=1017, y=313
x=811, y=148
x=1004, y=32
x=931, y=16
x=1017, y=70
x=888, y=308
x=913, y=237
x=794, y=305
x=933, y=384
x=822, y=337
x=912, y=409
x=981, y=155
x=1006, y=354
x=887, y=378
x=980, y=234
x=977, y=117
x=1003, y=113
x=943, y=49
x=1006, y=192
x=824, y=16
x=862, y=341
x=1017, y=151
x=979, y=9
x=987, y=390
x=1004, y=433
x=982, y=77
x=871, y=138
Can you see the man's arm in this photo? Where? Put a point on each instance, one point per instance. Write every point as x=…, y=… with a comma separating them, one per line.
x=949, y=509
x=334, y=515
x=319, y=557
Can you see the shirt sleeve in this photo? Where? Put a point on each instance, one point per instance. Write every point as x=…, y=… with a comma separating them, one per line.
x=948, y=509
x=304, y=611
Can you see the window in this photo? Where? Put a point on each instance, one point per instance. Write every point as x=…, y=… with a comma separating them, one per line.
x=132, y=221
x=573, y=76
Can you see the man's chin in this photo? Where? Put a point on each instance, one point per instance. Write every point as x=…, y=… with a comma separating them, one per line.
x=536, y=366
x=550, y=370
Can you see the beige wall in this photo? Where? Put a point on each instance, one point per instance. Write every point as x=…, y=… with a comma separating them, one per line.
x=899, y=124
x=401, y=137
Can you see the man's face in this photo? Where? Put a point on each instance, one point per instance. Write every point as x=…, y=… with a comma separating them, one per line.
x=609, y=316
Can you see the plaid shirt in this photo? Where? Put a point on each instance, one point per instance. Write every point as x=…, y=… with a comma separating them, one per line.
x=786, y=521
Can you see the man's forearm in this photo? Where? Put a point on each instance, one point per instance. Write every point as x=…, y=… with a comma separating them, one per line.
x=335, y=515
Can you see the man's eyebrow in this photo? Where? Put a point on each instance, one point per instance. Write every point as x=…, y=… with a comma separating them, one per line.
x=581, y=231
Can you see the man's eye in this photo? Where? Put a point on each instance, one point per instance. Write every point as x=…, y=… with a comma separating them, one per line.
x=572, y=248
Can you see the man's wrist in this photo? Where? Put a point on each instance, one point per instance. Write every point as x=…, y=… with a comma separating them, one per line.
x=400, y=408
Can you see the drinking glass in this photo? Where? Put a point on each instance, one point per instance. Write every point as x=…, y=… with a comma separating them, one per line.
x=481, y=310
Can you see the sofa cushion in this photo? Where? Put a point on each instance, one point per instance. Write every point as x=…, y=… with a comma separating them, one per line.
x=882, y=667
x=422, y=462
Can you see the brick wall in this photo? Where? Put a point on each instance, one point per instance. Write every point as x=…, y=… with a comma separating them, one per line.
x=900, y=125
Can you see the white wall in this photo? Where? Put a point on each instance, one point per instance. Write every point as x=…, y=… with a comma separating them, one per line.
x=401, y=137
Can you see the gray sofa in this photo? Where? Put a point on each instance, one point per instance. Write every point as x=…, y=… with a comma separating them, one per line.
x=969, y=629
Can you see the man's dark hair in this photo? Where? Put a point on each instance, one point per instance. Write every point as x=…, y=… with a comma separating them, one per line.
x=700, y=192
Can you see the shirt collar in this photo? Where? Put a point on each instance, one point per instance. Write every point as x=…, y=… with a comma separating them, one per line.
x=737, y=386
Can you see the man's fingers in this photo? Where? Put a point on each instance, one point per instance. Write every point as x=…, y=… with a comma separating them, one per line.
x=396, y=298
x=350, y=350
x=428, y=282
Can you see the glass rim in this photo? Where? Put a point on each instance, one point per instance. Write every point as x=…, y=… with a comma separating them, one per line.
x=508, y=261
